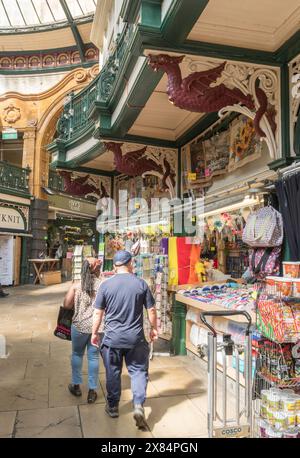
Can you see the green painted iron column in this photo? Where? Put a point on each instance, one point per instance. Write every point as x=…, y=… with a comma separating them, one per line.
x=178, y=341
x=24, y=262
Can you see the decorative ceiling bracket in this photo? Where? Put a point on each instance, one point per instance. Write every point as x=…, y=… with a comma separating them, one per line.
x=251, y=90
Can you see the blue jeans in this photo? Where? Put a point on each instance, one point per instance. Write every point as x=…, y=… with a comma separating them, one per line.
x=80, y=341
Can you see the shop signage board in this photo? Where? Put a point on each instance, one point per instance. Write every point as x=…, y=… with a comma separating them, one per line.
x=75, y=205
x=7, y=254
x=10, y=134
x=12, y=219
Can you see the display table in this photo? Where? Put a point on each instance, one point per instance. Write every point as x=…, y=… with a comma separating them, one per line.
x=39, y=264
x=197, y=306
x=189, y=302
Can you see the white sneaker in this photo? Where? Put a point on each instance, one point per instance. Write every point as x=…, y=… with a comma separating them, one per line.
x=139, y=416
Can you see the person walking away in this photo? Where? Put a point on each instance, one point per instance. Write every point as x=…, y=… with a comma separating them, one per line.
x=81, y=296
x=123, y=298
x=2, y=293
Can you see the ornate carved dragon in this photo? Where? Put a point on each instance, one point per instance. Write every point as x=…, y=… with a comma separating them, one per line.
x=136, y=163
x=78, y=186
x=195, y=93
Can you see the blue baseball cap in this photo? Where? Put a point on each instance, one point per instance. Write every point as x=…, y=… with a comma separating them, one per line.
x=121, y=258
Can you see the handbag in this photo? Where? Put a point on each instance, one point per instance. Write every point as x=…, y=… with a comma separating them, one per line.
x=64, y=323
x=264, y=228
x=264, y=262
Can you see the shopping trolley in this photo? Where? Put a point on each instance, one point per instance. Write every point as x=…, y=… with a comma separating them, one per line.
x=219, y=426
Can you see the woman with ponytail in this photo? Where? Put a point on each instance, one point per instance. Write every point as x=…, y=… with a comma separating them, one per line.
x=81, y=296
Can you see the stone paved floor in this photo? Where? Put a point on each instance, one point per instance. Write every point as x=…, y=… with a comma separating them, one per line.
x=35, y=402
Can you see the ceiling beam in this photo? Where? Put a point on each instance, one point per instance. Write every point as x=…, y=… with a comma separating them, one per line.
x=79, y=42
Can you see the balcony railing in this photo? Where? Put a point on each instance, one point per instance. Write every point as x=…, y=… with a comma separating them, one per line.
x=75, y=116
x=56, y=182
x=13, y=178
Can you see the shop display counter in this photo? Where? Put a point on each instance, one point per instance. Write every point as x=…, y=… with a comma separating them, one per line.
x=222, y=324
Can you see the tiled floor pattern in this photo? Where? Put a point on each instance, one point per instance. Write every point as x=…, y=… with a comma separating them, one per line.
x=35, y=402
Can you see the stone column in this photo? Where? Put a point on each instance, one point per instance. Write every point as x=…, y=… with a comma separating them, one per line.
x=29, y=155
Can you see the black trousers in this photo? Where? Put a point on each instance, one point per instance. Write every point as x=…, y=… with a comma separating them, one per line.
x=137, y=363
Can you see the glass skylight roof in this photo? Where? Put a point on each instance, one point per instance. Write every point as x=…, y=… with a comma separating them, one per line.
x=39, y=13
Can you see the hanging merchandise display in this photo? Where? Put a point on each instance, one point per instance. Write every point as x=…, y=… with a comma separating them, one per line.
x=277, y=379
x=264, y=261
x=264, y=228
x=245, y=145
x=154, y=270
x=288, y=192
x=77, y=261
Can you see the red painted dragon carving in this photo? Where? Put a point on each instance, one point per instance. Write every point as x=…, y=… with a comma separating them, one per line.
x=135, y=163
x=80, y=187
x=194, y=93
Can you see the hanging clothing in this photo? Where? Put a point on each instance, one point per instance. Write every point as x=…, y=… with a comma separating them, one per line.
x=173, y=262
x=288, y=192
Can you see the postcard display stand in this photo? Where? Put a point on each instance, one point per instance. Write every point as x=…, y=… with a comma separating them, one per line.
x=77, y=262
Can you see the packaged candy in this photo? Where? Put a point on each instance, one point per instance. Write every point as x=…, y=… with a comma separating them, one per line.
x=291, y=433
x=284, y=285
x=263, y=411
x=288, y=403
x=263, y=425
x=273, y=434
x=270, y=417
x=291, y=269
x=274, y=400
x=296, y=288
x=281, y=420
x=264, y=397
x=292, y=420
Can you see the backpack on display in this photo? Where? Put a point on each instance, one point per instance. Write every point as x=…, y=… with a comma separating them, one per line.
x=264, y=262
x=264, y=228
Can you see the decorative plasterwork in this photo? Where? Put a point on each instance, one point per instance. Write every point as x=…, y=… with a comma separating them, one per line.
x=294, y=68
x=161, y=156
x=80, y=76
x=54, y=90
x=49, y=60
x=246, y=78
x=11, y=114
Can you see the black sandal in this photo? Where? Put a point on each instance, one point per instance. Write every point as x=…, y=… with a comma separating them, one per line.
x=92, y=396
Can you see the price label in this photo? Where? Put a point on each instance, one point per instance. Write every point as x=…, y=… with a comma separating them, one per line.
x=192, y=176
x=254, y=295
x=213, y=248
x=193, y=219
x=137, y=205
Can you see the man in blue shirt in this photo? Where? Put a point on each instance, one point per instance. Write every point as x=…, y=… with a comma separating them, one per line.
x=122, y=298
